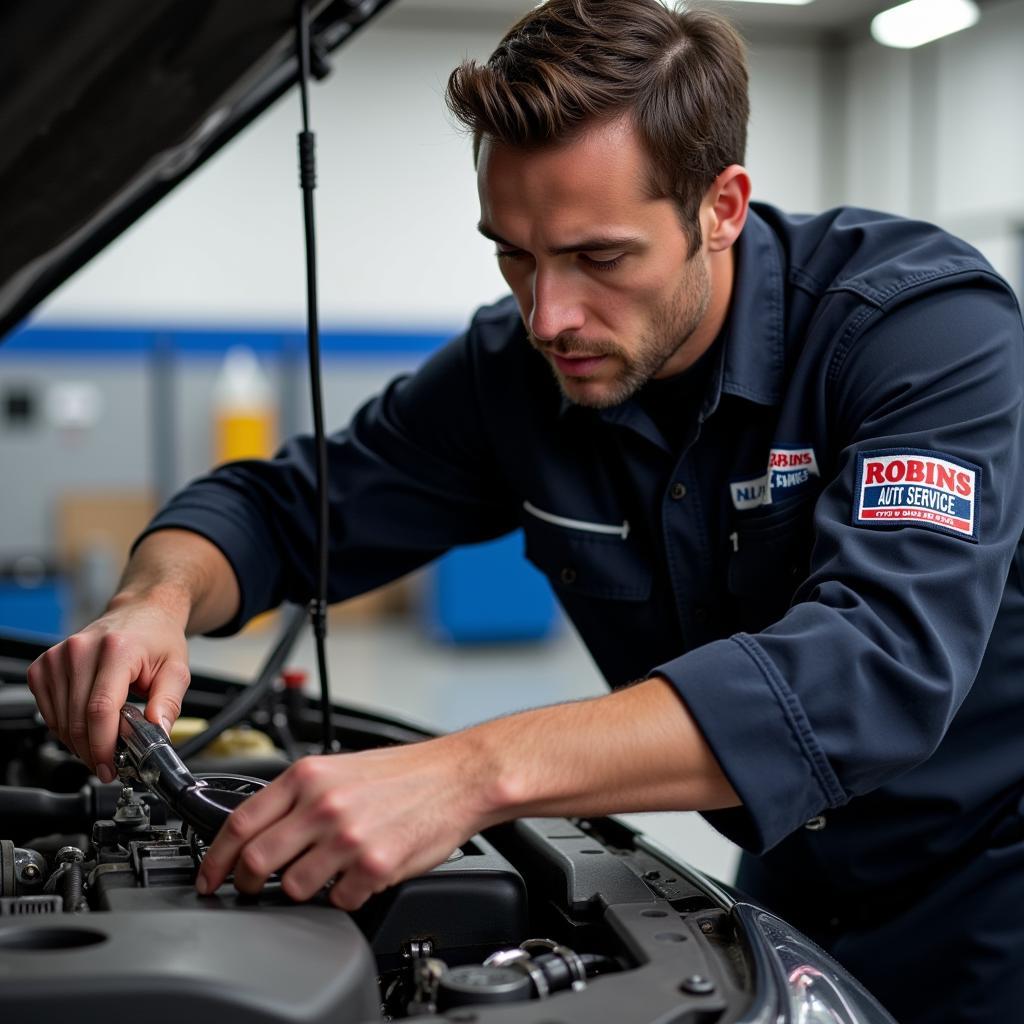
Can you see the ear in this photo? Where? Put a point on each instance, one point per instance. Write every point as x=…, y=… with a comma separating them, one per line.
x=724, y=210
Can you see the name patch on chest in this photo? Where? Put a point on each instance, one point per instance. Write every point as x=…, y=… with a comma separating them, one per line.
x=909, y=486
x=788, y=469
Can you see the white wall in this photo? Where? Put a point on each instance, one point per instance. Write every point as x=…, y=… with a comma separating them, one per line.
x=937, y=133
x=785, y=145
x=396, y=203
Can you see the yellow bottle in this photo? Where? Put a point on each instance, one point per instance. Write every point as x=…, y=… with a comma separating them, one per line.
x=244, y=409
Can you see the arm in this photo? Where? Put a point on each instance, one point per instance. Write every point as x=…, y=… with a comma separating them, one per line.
x=857, y=683
x=378, y=817
x=176, y=583
x=242, y=540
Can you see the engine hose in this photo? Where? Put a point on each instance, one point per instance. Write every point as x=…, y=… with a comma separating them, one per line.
x=72, y=888
x=25, y=811
x=252, y=695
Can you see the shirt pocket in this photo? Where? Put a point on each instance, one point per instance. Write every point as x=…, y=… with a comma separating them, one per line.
x=579, y=562
x=770, y=558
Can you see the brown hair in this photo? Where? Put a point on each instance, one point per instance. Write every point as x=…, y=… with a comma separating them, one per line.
x=681, y=75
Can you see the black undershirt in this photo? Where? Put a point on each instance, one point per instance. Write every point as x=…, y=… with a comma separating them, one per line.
x=674, y=402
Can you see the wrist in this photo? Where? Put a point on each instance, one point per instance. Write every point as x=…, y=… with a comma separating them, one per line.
x=485, y=760
x=173, y=599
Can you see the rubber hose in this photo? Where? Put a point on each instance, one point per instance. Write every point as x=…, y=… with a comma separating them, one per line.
x=71, y=887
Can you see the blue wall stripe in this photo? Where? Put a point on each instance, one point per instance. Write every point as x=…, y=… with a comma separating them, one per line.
x=133, y=341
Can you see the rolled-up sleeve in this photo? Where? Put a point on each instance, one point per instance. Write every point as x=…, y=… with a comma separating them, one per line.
x=859, y=680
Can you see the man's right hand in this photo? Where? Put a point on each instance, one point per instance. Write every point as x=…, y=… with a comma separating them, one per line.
x=81, y=684
x=176, y=583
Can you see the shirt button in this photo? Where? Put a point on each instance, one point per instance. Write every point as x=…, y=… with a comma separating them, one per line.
x=568, y=575
x=816, y=824
x=678, y=491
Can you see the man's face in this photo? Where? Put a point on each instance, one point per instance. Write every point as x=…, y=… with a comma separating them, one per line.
x=600, y=271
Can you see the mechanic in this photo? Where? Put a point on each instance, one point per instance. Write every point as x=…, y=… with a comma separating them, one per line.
x=772, y=466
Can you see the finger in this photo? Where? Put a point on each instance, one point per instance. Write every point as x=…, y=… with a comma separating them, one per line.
x=166, y=692
x=102, y=711
x=272, y=849
x=38, y=676
x=80, y=658
x=247, y=820
x=359, y=883
x=323, y=861
x=59, y=693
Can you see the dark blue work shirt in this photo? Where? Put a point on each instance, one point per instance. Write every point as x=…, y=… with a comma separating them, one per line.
x=824, y=561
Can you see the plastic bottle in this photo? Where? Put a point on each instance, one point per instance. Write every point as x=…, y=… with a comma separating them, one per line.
x=244, y=409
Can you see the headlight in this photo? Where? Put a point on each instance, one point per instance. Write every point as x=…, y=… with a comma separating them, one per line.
x=816, y=988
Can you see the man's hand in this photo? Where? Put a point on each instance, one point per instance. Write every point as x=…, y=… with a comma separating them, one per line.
x=81, y=684
x=375, y=818
x=176, y=583
x=368, y=819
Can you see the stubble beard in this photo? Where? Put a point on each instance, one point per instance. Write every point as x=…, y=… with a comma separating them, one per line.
x=671, y=326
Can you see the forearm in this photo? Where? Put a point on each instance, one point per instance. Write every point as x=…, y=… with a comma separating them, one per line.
x=638, y=749
x=186, y=575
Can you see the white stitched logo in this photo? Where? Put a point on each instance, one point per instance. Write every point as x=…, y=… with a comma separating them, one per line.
x=788, y=468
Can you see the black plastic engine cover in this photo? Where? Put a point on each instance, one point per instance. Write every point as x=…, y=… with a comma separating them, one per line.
x=189, y=961
x=467, y=907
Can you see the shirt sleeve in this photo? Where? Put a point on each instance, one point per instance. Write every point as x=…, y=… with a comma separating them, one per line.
x=858, y=681
x=408, y=478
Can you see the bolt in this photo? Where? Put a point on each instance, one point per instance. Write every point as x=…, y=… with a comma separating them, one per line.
x=70, y=854
x=707, y=927
x=30, y=873
x=698, y=985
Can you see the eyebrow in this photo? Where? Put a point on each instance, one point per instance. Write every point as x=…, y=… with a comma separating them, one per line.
x=605, y=243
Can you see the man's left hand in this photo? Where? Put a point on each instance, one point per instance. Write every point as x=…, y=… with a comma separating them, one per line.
x=368, y=819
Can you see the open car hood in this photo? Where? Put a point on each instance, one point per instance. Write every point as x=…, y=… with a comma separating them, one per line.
x=106, y=106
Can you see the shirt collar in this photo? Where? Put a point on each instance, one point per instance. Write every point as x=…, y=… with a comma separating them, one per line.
x=755, y=338
x=753, y=349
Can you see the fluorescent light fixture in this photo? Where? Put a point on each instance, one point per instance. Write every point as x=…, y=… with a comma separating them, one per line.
x=922, y=21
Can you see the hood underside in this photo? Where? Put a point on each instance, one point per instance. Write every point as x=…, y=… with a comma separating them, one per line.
x=106, y=106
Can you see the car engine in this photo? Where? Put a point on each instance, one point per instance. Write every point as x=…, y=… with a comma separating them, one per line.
x=98, y=905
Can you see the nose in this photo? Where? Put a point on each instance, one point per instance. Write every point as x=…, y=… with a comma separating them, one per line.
x=556, y=310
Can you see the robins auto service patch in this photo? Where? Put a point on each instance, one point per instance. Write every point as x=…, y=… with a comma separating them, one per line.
x=912, y=487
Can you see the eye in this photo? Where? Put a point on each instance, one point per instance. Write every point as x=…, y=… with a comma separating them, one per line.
x=605, y=264
x=511, y=254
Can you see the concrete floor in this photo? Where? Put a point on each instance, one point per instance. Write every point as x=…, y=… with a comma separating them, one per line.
x=394, y=667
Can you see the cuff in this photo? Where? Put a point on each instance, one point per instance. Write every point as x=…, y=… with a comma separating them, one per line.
x=761, y=737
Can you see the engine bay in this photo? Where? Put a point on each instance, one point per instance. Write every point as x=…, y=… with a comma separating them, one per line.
x=97, y=902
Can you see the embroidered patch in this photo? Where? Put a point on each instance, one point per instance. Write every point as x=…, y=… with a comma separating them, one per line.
x=901, y=486
x=788, y=468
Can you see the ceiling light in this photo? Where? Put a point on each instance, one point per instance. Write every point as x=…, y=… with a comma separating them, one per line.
x=921, y=21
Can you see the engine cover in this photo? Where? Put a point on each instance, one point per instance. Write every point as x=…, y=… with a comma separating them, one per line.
x=271, y=962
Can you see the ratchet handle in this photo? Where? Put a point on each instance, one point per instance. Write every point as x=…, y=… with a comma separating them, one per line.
x=150, y=756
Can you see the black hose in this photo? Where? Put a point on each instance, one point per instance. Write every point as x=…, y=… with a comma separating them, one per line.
x=72, y=887
x=250, y=696
x=26, y=812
